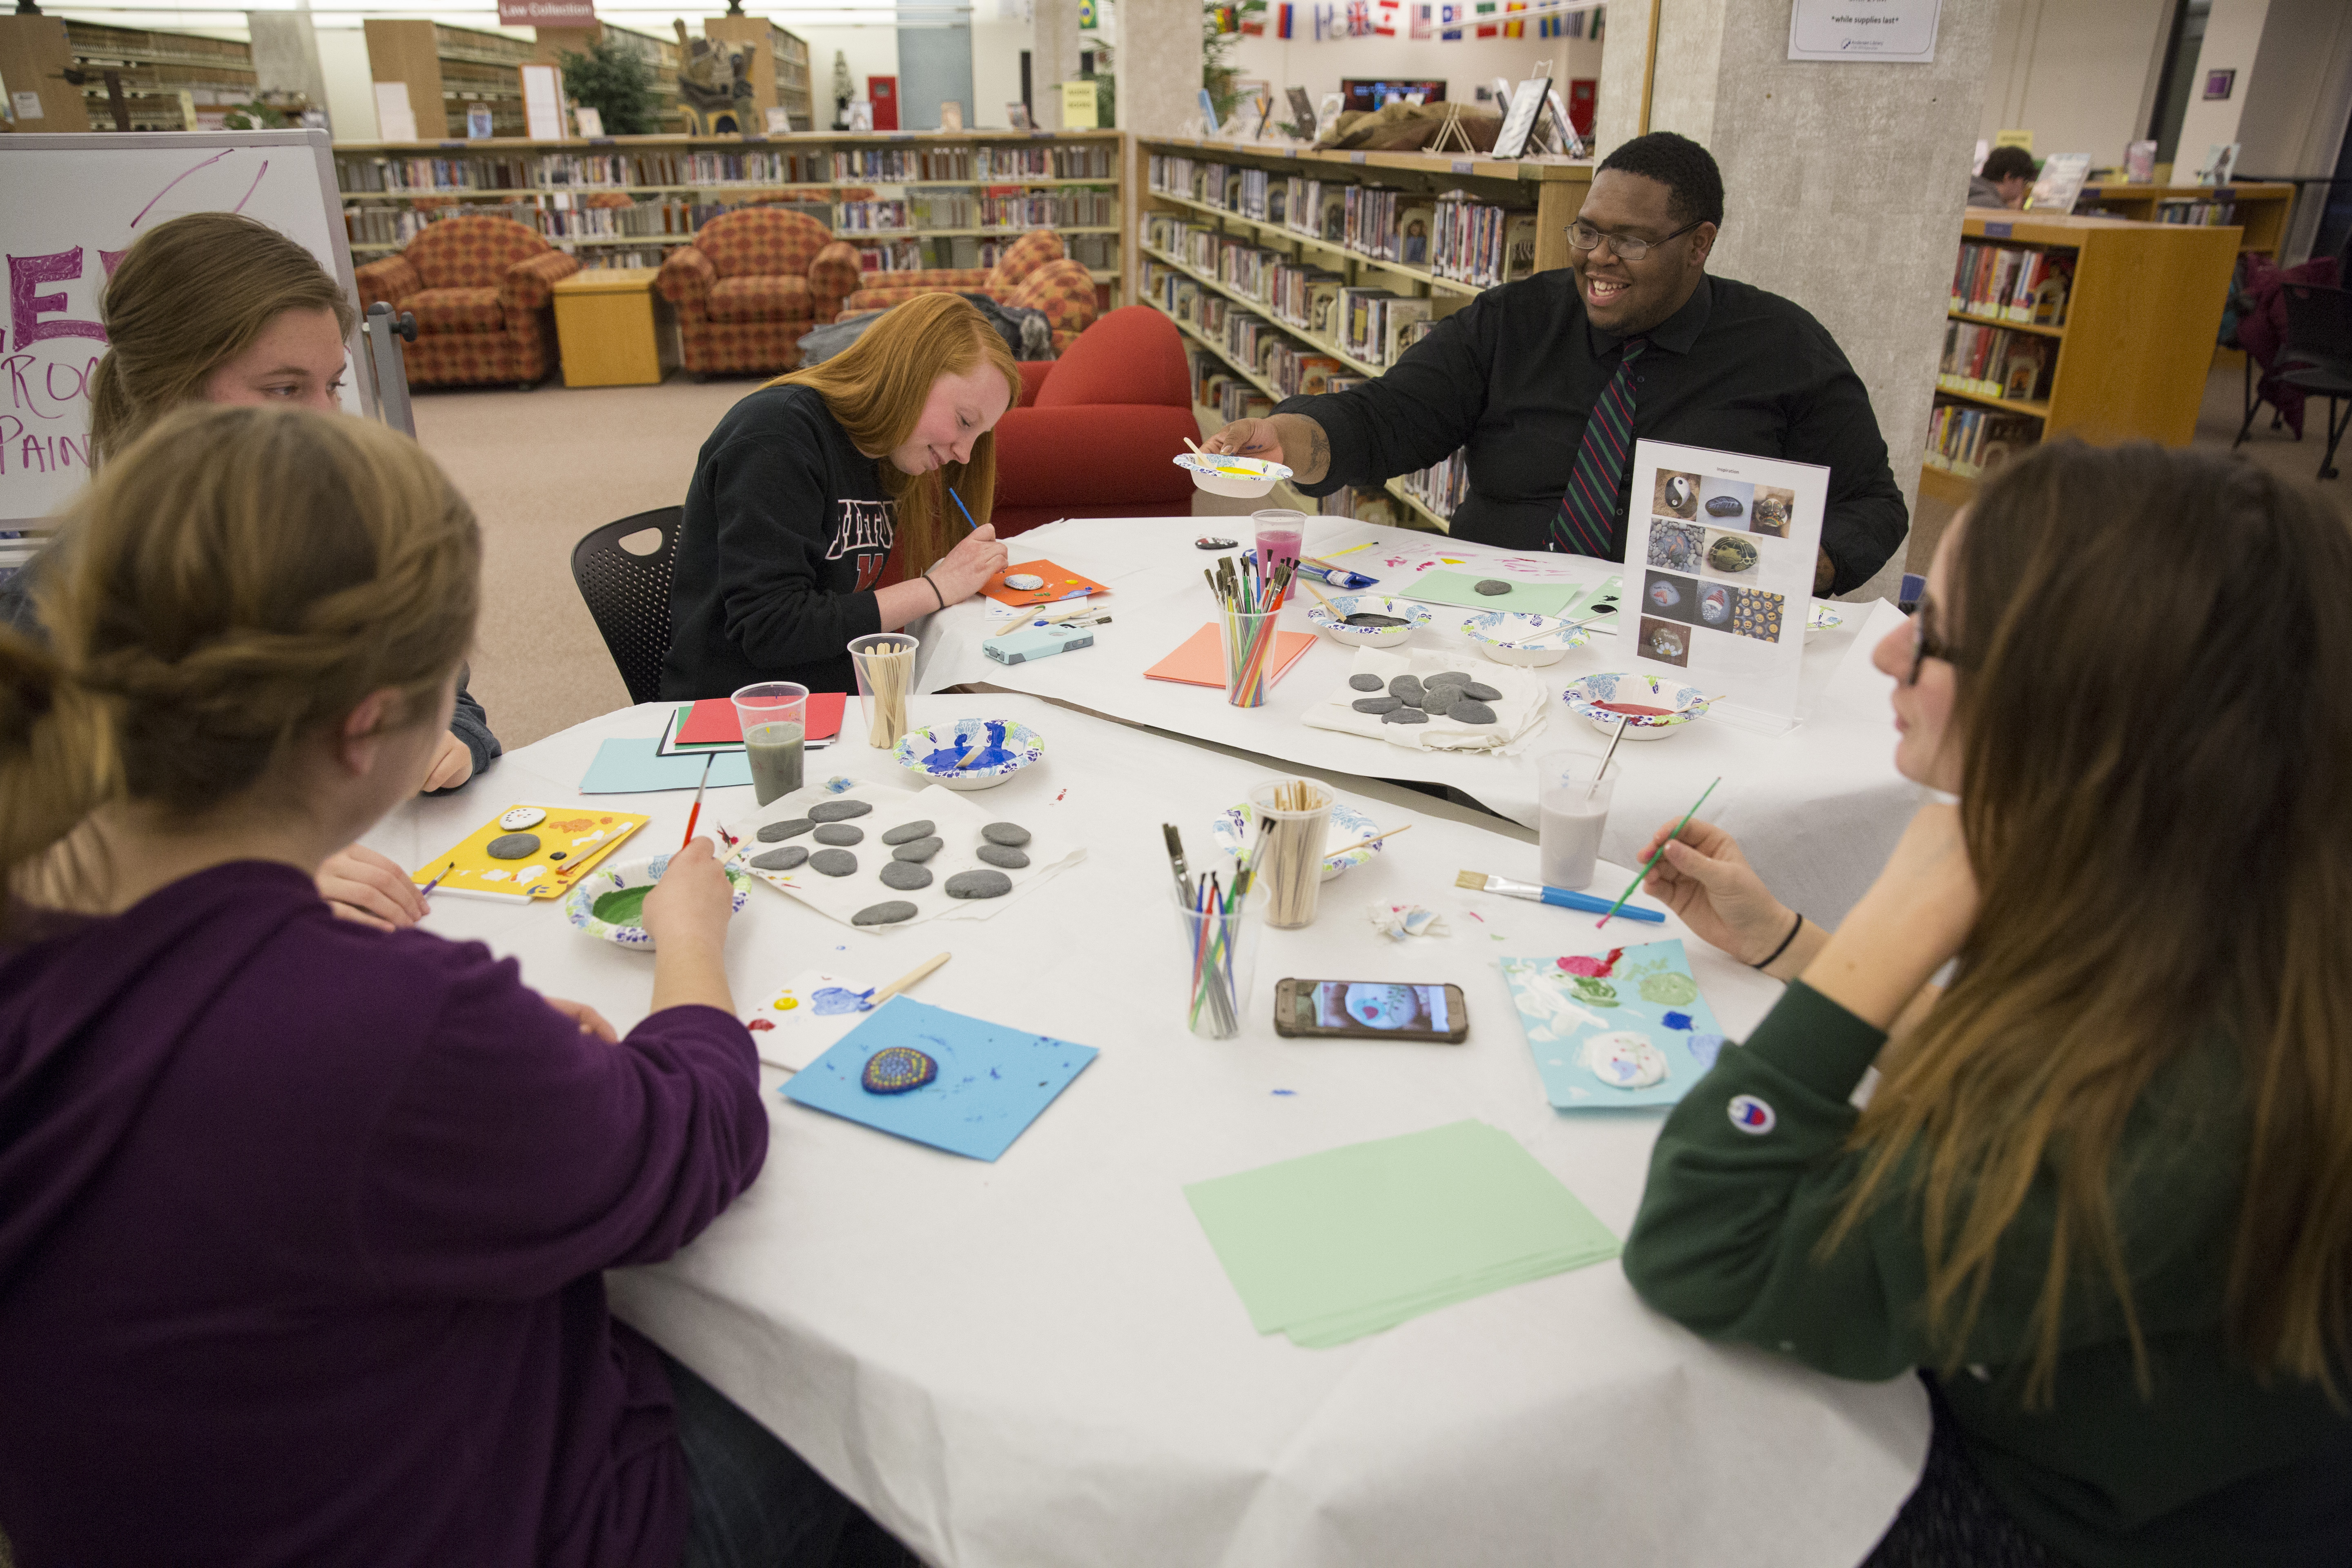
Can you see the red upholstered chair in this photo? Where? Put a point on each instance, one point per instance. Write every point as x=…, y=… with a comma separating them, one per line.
x=1097, y=435
x=480, y=290
x=750, y=284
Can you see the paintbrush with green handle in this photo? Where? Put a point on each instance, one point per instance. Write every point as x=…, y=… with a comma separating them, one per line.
x=1632, y=886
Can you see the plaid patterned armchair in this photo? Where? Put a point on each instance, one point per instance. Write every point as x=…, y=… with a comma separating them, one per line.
x=1032, y=272
x=479, y=287
x=750, y=284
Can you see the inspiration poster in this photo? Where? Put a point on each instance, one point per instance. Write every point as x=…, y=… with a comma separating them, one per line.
x=1723, y=546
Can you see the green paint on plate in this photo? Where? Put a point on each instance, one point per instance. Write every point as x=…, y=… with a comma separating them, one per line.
x=623, y=906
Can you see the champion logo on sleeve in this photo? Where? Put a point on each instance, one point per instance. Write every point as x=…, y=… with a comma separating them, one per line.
x=1750, y=1114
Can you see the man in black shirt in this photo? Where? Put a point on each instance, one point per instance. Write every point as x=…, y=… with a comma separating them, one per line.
x=1514, y=378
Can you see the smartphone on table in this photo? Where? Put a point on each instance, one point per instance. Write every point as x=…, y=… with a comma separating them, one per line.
x=1370, y=1010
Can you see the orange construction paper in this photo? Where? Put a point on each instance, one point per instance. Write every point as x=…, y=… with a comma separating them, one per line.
x=1202, y=661
x=1061, y=582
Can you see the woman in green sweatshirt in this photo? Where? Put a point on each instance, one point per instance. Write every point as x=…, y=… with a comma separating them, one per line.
x=2100, y=1195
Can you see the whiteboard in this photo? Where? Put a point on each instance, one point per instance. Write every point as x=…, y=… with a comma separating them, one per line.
x=75, y=203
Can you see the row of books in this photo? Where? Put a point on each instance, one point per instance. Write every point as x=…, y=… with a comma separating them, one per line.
x=1373, y=325
x=1010, y=208
x=556, y=170
x=2012, y=283
x=1993, y=362
x=1478, y=242
x=1081, y=161
x=1971, y=442
x=2205, y=215
x=1441, y=487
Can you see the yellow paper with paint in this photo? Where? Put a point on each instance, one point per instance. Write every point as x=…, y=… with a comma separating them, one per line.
x=494, y=860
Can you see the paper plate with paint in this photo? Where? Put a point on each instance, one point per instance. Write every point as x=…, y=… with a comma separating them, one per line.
x=1234, y=831
x=1509, y=637
x=1375, y=620
x=1651, y=708
x=970, y=753
x=1822, y=617
x=1246, y=477
x=609, y=903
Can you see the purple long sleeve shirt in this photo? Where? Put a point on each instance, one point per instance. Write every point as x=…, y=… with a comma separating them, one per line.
x=300, y=1226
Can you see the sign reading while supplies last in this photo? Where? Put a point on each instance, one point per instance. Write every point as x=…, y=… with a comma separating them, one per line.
x=1848, y=30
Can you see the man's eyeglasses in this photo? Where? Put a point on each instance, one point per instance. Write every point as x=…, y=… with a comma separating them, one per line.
x=1624, y=246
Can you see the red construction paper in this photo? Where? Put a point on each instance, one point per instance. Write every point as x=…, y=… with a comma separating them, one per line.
x=713, y=721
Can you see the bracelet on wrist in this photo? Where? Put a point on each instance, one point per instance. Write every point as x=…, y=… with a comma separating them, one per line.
x=943, y=598
x=1767, y=962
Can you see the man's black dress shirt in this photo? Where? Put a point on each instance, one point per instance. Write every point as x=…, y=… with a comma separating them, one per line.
x=1513, y=377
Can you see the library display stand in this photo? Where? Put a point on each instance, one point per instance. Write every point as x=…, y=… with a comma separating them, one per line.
x=906, y=199
x=1297, y=268
x=2259, y=211
x=2100, y=328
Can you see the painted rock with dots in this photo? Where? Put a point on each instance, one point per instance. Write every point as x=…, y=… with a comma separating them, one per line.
x=895, y=1070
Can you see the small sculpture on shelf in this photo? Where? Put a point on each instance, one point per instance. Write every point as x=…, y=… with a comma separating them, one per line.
x=714, y=86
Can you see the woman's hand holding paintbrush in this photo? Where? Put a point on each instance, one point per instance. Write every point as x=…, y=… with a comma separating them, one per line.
x=1705, y=879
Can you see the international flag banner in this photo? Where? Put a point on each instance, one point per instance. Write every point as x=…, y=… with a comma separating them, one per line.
x=1282, y=21
x=1515, y=29
x=1450, y=23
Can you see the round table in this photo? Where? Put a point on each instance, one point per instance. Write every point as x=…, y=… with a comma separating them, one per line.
x=1818, y=808
x=1039, y=1360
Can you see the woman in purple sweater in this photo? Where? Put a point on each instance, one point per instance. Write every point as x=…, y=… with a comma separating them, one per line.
x=301, y=1223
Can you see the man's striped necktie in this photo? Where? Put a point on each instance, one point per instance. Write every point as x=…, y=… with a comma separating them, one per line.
x=1587, y=522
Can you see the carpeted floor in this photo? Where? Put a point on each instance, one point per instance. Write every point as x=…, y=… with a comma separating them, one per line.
x=543, y=468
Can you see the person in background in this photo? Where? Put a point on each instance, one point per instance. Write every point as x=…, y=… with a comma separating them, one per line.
x=820, y=508
x=2100, y=1196
x=1544, y=384
x=302, y=1227
x=219, y=308
x=2005, y=181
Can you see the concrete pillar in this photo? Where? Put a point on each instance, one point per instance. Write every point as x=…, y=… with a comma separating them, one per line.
x=1053, y=58
x=1844, y=181
x=286, y=54
x=1158, y=63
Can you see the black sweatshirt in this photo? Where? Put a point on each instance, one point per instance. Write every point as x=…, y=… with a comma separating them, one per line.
x=1513, y=377
x=785, y=535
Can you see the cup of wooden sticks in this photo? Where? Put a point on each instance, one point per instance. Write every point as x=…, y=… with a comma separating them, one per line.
x=1293, y=817
x=886, y=674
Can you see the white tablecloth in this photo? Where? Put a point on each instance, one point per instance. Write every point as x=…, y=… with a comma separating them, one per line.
x=1817, y=808
x=1039, y=1361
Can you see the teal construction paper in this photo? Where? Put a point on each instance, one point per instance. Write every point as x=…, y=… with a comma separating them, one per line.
x=1646, y=989
x=992, y=1081
x=631, y=767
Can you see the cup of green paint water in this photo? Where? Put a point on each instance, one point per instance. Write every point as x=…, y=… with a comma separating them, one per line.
x=774, y=716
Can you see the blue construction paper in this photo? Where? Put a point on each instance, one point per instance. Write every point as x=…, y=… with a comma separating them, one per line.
x=633, y=767
x=1647, y=989
x=992, y=1081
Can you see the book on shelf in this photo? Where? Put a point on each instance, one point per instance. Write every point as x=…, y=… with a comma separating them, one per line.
x=1992, y=362
x=1403, y=322
x=1410, y=242
x=2012, y=283
x=2060, y=182
x=1972, y=442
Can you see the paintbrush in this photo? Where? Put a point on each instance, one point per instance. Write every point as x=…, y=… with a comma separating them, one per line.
x=1367, y=843
x=1480, y=882
x=908, y=979
x=1309, y=584
x=427, y=891
x=962, y=508
x=1656, y=855
x=1602, y=771
x=1176, y=861
x=696, y=814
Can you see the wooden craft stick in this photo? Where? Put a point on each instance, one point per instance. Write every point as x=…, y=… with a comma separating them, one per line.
x=909, y=978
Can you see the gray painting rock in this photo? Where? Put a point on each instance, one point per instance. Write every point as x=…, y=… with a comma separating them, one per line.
x=908, y=832
x=1407, y=687
x=1492, y=587
x=836, y=833
x=1377, y=704
x=1437, y=698
x=785, y=859
x=1405, y=716
x=888, y=914
x=920, y=850
x=1000, y=855
x=1012, y=835
x=513, y=846
x=905, y=876
x=833, y=862
x=1468, y=712
x=979, y=885
x=1366, y=682
x=838, y=810
x=777, y=832
x=1478, y=692
x=1447, y=677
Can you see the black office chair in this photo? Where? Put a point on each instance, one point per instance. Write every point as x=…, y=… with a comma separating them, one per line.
x=2319, y=343
x=628, y=594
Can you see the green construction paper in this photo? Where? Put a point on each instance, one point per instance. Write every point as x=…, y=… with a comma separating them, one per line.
x=1331, y=1247
x=1462, y=588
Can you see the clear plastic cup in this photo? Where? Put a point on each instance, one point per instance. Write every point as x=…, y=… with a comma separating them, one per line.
x=886, y=677
x=1281, y=537
x=1572, y=811
x=774, y=717
x=1221, y=960
x=1286, y=847
x=1248, y=642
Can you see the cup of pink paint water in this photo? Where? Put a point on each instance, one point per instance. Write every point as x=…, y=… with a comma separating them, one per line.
x=1281, y=537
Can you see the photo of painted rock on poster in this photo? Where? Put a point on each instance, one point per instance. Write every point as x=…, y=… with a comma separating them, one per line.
x=1724, y=563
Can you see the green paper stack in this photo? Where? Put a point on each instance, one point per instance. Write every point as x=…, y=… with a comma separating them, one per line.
x=1332, y=1246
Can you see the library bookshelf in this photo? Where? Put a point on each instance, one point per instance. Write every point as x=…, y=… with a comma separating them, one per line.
x=1174, y=186
x=2259, y=211
x=154, y=68
x=626, y=200
x=2130, y=358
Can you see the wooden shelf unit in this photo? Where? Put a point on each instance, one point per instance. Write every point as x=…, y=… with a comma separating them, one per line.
x=2263, y=210
x=446, y=170
x=155, y=68
x=450, y=69
x=1554, y=190
x=2136, y=344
